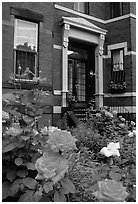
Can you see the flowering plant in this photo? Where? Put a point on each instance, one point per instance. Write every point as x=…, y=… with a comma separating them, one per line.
x=111, y=149
x=34, y=166
x=110, y=191
x=61, y=140
x=51, y=166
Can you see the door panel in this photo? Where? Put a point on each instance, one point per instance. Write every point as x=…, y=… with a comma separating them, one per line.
x=77, y=79
x=81, y=63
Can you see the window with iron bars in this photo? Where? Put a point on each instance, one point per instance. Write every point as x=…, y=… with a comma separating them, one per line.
x=25, y=49
x=117, y=82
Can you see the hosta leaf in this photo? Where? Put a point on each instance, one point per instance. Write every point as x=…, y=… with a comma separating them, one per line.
x=59, y=197
x=9, y=147
x=30, y=183
x=68, y=186
x=22, y=173
x=18, y=161
x=6, y=189
x=30, y=166
x=115, y=176
x=15, y=186
x=11, y=174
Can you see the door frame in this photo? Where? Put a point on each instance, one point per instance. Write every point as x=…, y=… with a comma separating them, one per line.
x=79, y=28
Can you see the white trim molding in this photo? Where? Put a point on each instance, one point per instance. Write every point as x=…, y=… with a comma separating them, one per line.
x=81, y=29
x=57, y=92
x=118, y=46
x=57, y=109
x=58, y=47
x=120, y=18
x=127, y=94
x=65, y=9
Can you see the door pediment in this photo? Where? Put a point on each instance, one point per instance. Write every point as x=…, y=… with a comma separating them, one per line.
x=83, y=24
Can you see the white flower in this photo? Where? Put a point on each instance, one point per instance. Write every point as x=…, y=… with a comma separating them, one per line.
x=52, y=128
x=110, y=115
x=44, y=131
x=98, y=114
x=15, y=130
x=5, y=116
x=133, y=123
x=134, y=132
x=35, y=132
x=114, y=113
x=130, y=134
x=122, y=119
x=111, y=150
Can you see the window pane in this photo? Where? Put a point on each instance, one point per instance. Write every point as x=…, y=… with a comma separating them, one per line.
x=25, y=43
x=26, y=35
x=116, y=9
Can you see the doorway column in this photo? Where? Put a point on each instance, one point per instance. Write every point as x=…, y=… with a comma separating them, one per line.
x=99, y=73
x=65, y=35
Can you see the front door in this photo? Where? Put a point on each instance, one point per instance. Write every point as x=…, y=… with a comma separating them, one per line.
x=81, y=77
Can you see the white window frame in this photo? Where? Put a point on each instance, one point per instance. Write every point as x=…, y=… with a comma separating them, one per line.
x=15, y=43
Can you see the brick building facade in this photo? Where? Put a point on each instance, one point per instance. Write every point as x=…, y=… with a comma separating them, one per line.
x=87, y=49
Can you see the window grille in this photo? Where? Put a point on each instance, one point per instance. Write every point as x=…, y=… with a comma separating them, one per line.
x=25, y=49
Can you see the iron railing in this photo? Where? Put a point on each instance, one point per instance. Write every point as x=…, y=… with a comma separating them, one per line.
x=121, y=109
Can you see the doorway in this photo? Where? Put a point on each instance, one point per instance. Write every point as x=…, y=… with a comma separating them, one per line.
x=81, y=73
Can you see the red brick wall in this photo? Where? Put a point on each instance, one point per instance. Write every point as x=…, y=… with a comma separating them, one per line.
x=45, y=38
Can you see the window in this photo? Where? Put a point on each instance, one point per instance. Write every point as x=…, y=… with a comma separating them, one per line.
x=82, y=7
x=117, y=73
x=25, y=49
x=116, y=9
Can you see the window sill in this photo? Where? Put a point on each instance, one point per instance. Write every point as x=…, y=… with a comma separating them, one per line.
x=117, y=91
x=27, y=84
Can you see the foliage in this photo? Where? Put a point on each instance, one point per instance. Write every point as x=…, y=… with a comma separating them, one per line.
x=94, y=166
x=27, y=146
x=46, y=164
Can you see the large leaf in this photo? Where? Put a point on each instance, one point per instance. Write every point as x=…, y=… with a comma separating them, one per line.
x=8, y=97
x=11, y=174
x=59, y=197
x=93, y=188
x=30, y=183
x=22, y=173
x=30, y=166
x=25, y=137
x=27, y=197
x=20, y=144
x=15, y=114
x=9, y=147
x=68, y=186
x=18, y=161
x=6, y=189
x=15, y=186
